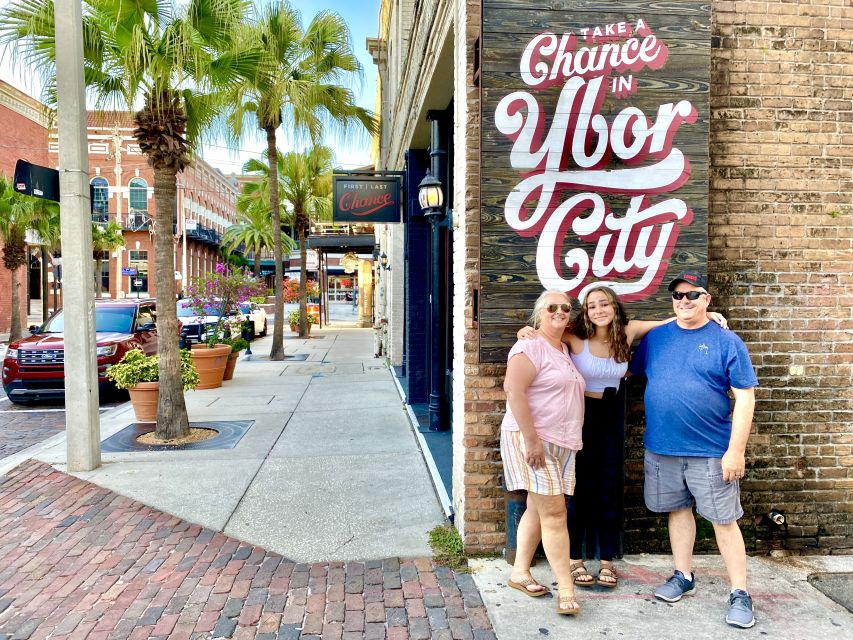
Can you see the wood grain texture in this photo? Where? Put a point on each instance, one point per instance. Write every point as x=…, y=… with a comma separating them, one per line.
x=509, y=283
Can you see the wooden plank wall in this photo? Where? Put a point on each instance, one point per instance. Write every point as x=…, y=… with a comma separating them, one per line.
x=510, y=271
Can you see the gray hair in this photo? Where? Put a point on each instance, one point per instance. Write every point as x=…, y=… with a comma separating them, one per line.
x=540, y=304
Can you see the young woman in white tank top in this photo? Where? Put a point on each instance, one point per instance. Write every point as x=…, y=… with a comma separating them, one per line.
x=599, y=342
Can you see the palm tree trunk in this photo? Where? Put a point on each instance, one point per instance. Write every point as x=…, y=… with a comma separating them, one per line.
x=15, y=323
x=258, y=263
x=303, y=278
x=172, y=420
x=277, y=350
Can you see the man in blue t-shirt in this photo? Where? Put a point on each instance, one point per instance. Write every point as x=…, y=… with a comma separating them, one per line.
x=695, y=441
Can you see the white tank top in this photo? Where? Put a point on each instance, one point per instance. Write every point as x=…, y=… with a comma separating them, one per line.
x=599, y=373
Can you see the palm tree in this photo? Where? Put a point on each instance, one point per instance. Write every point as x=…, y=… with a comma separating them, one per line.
x=307, y=185
x=299, y=82
x=254, y=230
x=16, y=214
x=105, y=238
x=176, y=60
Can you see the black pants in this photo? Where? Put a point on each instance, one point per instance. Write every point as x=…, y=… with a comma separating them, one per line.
x=595, y=509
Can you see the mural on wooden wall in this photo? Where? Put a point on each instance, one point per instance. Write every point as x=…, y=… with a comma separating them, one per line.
x=594, y=153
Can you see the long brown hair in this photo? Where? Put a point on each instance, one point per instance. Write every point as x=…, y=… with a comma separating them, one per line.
x=617, y=336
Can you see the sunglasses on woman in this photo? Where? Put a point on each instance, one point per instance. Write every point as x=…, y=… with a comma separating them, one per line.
x=565, y=308
x=690, y=295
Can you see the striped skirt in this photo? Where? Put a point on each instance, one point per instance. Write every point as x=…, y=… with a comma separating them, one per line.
x=556, y=477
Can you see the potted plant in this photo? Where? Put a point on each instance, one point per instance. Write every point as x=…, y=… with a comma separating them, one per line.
x=237, y=345
x=140, y=375
x=293, y=321
x=218, y=294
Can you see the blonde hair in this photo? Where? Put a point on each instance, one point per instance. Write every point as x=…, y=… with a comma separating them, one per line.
x=540, y=304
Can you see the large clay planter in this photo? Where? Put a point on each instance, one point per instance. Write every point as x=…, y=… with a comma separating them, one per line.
x=295, y=328
x=144, y=397
x=229, y=366
x=210, y=364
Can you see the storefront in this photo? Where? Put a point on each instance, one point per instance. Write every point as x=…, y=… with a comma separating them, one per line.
x=585, y=143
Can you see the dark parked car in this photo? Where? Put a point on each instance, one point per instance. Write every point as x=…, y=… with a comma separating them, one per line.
x=34, y=367
x=195, y=328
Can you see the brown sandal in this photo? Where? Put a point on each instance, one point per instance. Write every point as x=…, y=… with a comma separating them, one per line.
x=608, y=572
x=522, y=585
x=568, y=611
x=579, y=571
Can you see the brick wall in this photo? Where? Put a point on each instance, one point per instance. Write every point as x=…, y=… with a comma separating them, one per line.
x=478, y=498
x=23, y=135
x=780, y=257
x=781, y=251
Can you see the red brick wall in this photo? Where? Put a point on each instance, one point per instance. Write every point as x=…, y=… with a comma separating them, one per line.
x=780, y=263
x=20, y=138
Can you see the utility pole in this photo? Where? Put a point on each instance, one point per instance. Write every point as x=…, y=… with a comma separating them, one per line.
x=82, y=422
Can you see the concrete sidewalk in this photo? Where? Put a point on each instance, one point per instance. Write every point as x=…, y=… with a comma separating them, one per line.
x=329, y=471
x=787, y=606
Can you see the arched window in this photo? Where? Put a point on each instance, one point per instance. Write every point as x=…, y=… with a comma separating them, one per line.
x=138, y=195
x=100, y=199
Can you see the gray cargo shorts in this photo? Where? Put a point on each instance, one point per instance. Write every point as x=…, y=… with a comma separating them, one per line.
x=673, y=483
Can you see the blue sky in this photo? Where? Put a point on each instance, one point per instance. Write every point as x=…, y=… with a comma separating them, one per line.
x=362, y=16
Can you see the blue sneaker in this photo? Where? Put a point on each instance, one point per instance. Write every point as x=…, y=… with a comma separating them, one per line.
x=675, y=587
x=740, y=609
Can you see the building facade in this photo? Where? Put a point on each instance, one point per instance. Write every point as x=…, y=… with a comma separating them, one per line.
x=23, y=135
x=588, y=143
x=123, y=192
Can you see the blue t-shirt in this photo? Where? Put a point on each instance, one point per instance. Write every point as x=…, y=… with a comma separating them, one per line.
x=690, y=371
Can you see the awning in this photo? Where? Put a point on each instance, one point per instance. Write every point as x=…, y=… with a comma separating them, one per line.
x=342, y=243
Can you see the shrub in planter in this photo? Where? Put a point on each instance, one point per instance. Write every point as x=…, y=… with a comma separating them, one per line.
x=136, y=367
x=236, y=344
x=140, y=375
x=293, y=320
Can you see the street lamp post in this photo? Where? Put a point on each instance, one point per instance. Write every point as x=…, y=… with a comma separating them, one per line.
x=431, y=199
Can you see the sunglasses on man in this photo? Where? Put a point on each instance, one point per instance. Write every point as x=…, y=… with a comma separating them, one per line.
x=690, y=295
x=565, y=308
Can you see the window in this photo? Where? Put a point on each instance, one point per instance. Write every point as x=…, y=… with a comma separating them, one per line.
x=138, y=195
x=146, y=316
x=139, y=282
x=100, y=199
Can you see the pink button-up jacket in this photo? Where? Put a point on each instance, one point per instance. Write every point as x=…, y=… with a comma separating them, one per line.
x=555, y=396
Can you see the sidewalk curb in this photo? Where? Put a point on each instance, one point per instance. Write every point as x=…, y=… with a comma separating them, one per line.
x=437, y=483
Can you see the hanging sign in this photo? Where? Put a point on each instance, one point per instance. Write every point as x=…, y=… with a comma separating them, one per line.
x=366, y=199
x=37, y=181
x=594, y=154
x=312, y=260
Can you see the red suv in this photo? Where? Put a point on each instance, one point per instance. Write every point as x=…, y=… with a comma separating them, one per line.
x=33, y=368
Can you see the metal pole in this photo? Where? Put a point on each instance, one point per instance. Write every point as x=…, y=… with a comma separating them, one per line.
x=437, y=400
x=82, y=423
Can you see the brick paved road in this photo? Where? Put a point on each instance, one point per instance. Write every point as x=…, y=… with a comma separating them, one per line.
x=78, y=561
x=22, y=426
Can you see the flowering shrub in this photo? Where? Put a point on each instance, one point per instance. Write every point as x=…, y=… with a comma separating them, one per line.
x=293, y=318
x=219, y=293
x=291, y=290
